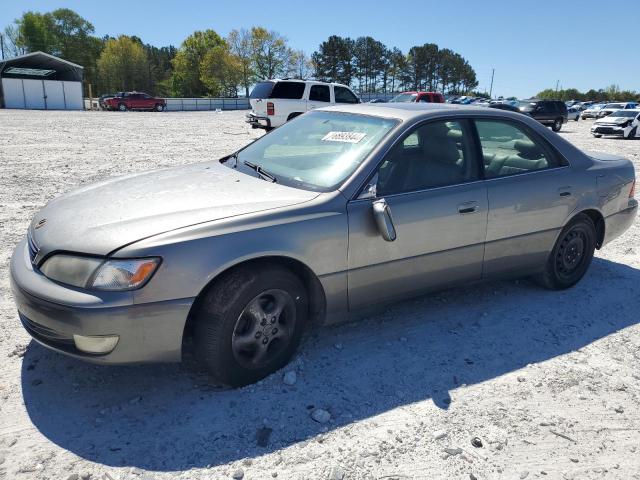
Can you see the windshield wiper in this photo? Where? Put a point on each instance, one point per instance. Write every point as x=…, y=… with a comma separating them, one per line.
x=261, y=171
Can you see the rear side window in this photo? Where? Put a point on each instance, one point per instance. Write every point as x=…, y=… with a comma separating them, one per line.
x=288, y=90
x=344, y=95
x=262, y=90
x=320, y=93
x=508, y=150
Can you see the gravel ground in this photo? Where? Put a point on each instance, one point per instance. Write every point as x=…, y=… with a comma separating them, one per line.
x=547, y=381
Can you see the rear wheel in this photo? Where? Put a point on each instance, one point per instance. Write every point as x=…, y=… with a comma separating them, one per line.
x=571, y=255
x=250, y=323
x=557, y=125
x=159, y=107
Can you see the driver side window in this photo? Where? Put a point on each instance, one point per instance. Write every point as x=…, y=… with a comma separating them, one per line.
x=435, y=154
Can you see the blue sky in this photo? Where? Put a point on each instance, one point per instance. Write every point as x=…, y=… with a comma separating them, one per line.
x=531, y=44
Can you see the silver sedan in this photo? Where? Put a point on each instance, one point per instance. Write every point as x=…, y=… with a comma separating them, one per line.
x=340, y=209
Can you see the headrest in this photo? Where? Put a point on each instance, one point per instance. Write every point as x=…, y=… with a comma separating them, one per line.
x=527, y=149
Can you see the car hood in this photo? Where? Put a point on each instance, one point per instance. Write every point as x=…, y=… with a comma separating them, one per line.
x=103, y=217
x=610, y=119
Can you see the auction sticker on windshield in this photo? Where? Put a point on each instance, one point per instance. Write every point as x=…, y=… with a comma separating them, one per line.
x=346, y=137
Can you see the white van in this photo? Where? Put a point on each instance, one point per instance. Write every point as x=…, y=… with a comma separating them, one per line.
x=275, y=102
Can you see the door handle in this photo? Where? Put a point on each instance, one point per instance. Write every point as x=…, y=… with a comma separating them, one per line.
x=467, y=207
x=565, y=191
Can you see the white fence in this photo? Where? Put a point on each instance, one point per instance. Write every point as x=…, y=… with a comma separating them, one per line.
x=191, y=104
x=194, y=104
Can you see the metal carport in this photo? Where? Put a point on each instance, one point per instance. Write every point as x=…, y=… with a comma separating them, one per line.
x=40, y=81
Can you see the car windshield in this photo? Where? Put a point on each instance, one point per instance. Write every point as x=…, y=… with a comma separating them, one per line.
x=623, y=113
x=318, y=150
x=404, y=97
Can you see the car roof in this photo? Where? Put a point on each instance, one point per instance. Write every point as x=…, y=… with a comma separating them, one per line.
x=409, y=111
x=300, y=80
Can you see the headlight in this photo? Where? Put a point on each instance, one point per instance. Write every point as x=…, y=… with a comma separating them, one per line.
x=626, y=124
x=98, y=273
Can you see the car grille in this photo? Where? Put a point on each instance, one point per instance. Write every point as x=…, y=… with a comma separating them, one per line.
x=33, y=248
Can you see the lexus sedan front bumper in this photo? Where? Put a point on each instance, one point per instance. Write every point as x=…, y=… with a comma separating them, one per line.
x=109, y=328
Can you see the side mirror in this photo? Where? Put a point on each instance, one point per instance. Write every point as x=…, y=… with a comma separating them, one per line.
x=384, y=220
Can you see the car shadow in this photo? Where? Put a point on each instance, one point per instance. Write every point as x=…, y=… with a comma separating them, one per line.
x=169, y=417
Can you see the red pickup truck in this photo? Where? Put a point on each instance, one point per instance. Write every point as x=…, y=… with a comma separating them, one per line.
x=124, y=101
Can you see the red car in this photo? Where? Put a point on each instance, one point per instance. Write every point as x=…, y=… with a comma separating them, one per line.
x=426, y=97
x=135, y=101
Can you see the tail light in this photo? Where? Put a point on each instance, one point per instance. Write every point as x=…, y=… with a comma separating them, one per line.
x=632, y=192
x=271, y=110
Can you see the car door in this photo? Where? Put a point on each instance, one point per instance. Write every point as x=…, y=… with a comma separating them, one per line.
x=146, y=101
x=133, y=101
x=531, y=193
x=429, y=182
x=319, y=96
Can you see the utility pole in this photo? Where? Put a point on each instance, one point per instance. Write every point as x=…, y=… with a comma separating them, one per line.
x=493, y=71
x=2, y=45
x=557, y=83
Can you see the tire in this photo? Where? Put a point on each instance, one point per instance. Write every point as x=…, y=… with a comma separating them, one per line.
x=239, y=335
x=632, y=134
x=159, y=107
x=597, y=135
x=557, y=125
x=293, y=115
x=571, y=255
x=122, y=107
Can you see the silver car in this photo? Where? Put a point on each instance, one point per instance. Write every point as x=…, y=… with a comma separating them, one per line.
x=340, y=209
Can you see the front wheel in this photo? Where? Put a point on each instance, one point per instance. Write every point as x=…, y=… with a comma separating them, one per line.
x=557, y=125
x=122, y=107
x=597, y=135
x=249, y=324
x=632, y=133
x=571, y=255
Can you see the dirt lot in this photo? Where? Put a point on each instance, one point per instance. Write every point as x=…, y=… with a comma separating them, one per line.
x=547, y=381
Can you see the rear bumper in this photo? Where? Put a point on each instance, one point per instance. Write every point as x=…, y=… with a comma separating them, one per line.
x=148, y=332
x=257, y=121
x=618, y=223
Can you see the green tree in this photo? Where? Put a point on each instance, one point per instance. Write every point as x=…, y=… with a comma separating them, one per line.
x=221, y=72
x=300, y=65
x=241, y=46
x=333, y=61
x=123, y=65
x=62, y=33
x=186, y=79
x=270, y=53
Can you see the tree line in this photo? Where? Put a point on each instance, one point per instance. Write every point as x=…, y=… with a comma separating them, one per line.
x=609, y=94
x=372, y=67
x=207, y=64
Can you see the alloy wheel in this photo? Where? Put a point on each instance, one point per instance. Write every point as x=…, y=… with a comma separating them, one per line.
x=264, y=328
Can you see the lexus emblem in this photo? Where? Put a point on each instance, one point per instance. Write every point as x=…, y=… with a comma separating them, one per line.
x=41, y=223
